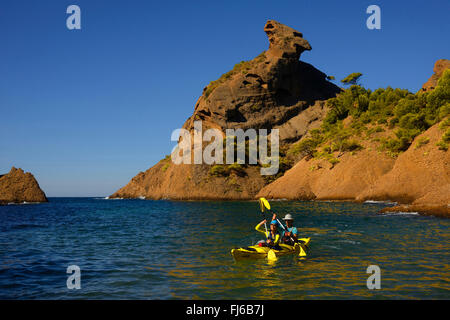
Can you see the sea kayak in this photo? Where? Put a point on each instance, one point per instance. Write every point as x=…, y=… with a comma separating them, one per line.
x=256, y=251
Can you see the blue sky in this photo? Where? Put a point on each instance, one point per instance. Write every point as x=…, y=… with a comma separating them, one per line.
x=86, y=110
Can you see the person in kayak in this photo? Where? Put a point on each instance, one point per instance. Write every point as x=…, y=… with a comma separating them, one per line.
x=272, y=235
x=290, y=235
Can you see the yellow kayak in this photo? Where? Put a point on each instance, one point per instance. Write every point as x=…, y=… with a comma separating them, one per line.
x=256, y=251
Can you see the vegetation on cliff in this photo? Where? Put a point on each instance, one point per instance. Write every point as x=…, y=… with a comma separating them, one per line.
x=399, y=111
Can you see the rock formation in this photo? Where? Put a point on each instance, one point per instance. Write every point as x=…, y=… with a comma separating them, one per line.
x=274, y=90
x=419, y=175
x=439, y=67
x=19, y=187
x=318, y=179
x=418, y=179
x=267, y=91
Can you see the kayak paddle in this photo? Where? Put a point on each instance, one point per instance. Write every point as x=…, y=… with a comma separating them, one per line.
x=261, y=205
x=271, y=255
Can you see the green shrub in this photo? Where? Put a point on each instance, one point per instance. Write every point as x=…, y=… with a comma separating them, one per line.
x=165, y=167
x=237, y=169
x=382, y=121
x=442, y=145
x=393, y=122
x=422, y=141
x=219, y=170
x=306, y=146
x=351, y=145
x=395, y=145
x=333, y=161
x=444, y=124
x=413, y=121
x=363, y=103
x=440, y=96
x=444, y=111
x=446, y=136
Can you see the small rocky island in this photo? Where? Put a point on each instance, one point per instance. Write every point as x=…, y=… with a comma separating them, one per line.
x=18, y=186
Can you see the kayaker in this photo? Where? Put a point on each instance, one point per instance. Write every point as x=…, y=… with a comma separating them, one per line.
x=272, y=235
x=290, y=236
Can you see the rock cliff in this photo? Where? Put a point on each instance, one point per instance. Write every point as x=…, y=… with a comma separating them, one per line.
x=19, y=187
x=357, y=144
x=418, y=178
x=274, y=90
x=439, y=67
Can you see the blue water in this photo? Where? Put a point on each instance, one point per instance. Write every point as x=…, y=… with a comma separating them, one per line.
x=138, y=249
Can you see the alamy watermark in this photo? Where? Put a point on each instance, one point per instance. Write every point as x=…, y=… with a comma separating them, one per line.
x=74, y=20
x=74, y=280
x=374, y=20
x=374, y=280
x=250, y=145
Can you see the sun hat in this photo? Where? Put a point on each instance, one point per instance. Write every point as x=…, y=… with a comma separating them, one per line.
x=288, y=217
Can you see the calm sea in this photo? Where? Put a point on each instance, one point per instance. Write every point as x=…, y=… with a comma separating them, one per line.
x=140, y=249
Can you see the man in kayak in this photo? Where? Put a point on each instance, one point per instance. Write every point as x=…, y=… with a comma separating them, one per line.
x=272, y=236
x=290, y=235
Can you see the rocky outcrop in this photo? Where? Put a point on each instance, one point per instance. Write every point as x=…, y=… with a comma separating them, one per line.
x=267, y=91
x=318, y=179
x=421, y=175
x=19, y=187
x=430, y=210
x=166, y=180
x=278, y=91
x=439, y=67
x=418, y=179
x=274, y=90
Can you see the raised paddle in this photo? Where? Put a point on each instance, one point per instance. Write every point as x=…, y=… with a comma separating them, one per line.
x=261, y=205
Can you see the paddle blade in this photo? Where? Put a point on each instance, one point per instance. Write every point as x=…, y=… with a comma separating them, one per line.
x=271, y=255
x=265, y=203
x=302, y=252
x=261, y=205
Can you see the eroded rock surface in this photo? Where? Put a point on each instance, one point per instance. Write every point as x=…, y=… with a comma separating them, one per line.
x=19, y=187
x=274, y=90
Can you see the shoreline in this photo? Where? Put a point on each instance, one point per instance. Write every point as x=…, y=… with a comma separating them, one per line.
x=440, y=211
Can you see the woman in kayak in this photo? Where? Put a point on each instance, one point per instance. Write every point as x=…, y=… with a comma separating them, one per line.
x=272, y=236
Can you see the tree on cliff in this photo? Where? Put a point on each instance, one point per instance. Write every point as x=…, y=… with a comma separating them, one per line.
x=352, y=78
